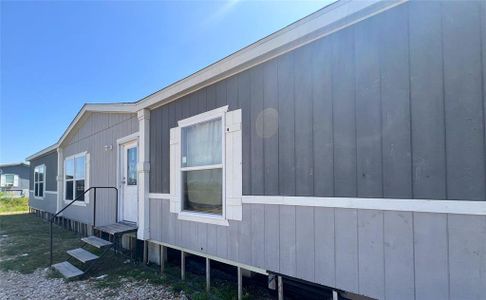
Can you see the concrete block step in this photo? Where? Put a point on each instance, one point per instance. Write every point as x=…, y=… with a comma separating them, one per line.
x=82, y=255
x=68, y=270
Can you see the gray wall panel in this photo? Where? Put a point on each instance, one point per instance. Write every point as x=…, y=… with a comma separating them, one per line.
x=463, y=101
x=368, y=110
x=286, y=135
x=467, y=245
x=304, y=156
x=371, y=252
x=399, y=255
x=397, y=168
x=256, y=152
x=305, y=243
x=325, y=266
x=431, y=261
x=287, y=244
x=258, y=235
x=344, y=121
x=272, y=238
x=346, y=249
x=322, y=119
x=270, y=128
x=427, y=101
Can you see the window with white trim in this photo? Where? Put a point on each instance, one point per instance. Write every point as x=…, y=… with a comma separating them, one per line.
x=9, y=180
x=75, y=177
x=205, y=167
x=202, y=167
x=39, y=181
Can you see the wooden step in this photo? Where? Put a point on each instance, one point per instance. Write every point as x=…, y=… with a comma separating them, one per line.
x=96, y=242
x=118, y=228
x=82, y=255
x=67, y=270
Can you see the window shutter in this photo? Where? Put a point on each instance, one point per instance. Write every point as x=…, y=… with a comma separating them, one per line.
x=16, y=181
x=233, y=166
x=175, y=201
x=3, y=181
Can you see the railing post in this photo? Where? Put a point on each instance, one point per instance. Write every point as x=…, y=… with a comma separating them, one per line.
x=94, y=208
x=50, y=246
x=116, y=205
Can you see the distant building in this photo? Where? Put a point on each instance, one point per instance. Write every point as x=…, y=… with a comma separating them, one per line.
x=14, y=179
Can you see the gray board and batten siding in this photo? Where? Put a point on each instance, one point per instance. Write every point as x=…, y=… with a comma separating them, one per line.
x=97, y=130
x=391, y=107
x=49, y=201
x=380, y=254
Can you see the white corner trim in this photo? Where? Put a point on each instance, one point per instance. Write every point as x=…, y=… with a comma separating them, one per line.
x=203, y=218
x=413, y=205
x=205, y=116
x=159, y=196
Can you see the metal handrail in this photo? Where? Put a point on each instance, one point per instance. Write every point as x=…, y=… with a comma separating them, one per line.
x=94, y=211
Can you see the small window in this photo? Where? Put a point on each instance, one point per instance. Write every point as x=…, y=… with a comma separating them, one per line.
x=74, y=177
x=132, y=166
x=39, y=181
x=9, y=180
x=202, y=167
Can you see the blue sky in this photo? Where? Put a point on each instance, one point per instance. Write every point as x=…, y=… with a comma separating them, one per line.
x=56, y=55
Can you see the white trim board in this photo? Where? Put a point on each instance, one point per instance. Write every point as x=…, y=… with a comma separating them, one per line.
x=50, y=192
x=159, y=196
x=414, y=205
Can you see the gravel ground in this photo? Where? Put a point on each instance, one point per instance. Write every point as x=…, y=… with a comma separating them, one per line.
x=38, y=285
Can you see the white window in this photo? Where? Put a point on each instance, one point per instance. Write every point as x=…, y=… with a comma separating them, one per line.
x=39, y=181
x=75, y=170
x=9, y=180
x=202, y=167
x=204, y=149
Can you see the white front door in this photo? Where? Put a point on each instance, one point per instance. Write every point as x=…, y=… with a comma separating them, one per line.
x=129, y=178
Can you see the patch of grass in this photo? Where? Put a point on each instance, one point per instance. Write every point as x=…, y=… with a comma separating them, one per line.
x=13, y=205
x=24, y=247
x=24, y=243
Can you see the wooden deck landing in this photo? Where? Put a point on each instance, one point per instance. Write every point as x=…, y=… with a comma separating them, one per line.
x=117, y=228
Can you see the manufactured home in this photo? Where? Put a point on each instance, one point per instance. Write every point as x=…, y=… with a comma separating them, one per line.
x=346, y=150
x=14, y=179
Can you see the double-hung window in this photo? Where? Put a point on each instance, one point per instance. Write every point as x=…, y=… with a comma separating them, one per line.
x=205, y=167
x=202, y=167
x=75, y=177
x=39, y=181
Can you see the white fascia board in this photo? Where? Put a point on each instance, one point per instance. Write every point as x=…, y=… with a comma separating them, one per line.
x=42, y=152
x=304, y=31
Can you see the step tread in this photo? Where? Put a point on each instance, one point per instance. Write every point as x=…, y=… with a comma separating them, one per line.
x=96, y=242
x=82, y=255
x=67, y=270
